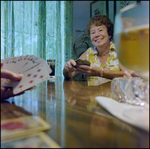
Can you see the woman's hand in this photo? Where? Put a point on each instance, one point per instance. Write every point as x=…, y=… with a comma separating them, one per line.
x=70, y=65
x=69, y=69
x=5, y=91
x=130, y=73
x=91, y=70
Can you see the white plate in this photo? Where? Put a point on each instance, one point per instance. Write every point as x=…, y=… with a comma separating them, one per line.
x=134, y=115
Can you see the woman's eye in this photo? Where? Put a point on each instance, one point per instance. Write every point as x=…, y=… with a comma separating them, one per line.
x=92, y=32
x=100, y=30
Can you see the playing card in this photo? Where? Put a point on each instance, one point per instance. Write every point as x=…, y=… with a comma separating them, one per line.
x=6, y=63
x=39, y=60
x=9, y=63
x=13, y=65
x=31, y=62
x=21, y=62
x=18, y=63
x=38, y=140
x=26, y=65
x=48, y=68
x=31, y=77
x=22, y=126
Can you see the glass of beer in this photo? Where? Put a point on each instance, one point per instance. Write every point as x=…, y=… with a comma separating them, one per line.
x=131, y=37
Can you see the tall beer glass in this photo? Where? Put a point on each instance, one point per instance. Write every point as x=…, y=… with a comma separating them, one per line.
x=131, y=36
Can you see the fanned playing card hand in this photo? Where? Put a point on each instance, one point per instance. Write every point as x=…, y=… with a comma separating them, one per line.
x=34, y=69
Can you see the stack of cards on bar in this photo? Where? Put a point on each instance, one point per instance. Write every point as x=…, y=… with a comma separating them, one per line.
x=34, y=69
x=26, y=132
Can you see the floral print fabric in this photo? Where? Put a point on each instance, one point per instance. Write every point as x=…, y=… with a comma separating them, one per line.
x=112, y=62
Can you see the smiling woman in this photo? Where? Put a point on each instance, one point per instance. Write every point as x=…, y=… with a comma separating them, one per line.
x=102, y=56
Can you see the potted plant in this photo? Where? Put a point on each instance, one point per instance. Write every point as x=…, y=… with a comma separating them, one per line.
x=82, y=43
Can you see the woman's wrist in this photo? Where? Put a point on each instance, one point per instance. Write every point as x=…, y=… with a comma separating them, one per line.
x=110, y=74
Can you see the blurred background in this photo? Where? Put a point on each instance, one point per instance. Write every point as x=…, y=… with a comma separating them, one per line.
x=52, y=30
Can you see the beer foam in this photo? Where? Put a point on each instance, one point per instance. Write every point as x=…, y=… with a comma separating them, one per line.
x=136, y=28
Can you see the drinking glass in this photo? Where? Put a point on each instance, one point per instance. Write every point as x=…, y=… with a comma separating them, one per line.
x=131, y=37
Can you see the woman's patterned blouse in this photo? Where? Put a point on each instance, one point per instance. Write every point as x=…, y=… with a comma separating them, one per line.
x=112, y=62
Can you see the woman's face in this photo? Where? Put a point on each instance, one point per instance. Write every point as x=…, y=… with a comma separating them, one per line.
x=99, y=36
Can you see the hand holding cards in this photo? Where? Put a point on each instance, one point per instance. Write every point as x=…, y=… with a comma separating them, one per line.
x=82, y=62
x=34, y=70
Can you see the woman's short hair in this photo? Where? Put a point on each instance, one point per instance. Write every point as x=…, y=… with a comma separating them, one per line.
x=100, y=20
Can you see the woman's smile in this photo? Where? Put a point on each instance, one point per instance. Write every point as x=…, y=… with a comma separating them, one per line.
x=98, y=39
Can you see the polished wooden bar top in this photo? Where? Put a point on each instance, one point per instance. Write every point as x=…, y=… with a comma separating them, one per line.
x=77, y=120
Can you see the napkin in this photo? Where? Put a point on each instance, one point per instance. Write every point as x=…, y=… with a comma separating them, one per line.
x=134, y=115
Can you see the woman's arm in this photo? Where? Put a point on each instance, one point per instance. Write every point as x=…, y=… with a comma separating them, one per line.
x=110, y=74
x=128, y=72
x=93, y=70
x=69, y=69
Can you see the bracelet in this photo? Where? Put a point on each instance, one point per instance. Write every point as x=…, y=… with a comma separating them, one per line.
x=102, y=72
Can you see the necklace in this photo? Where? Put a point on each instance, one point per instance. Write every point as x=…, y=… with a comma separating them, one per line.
x=102, y=54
